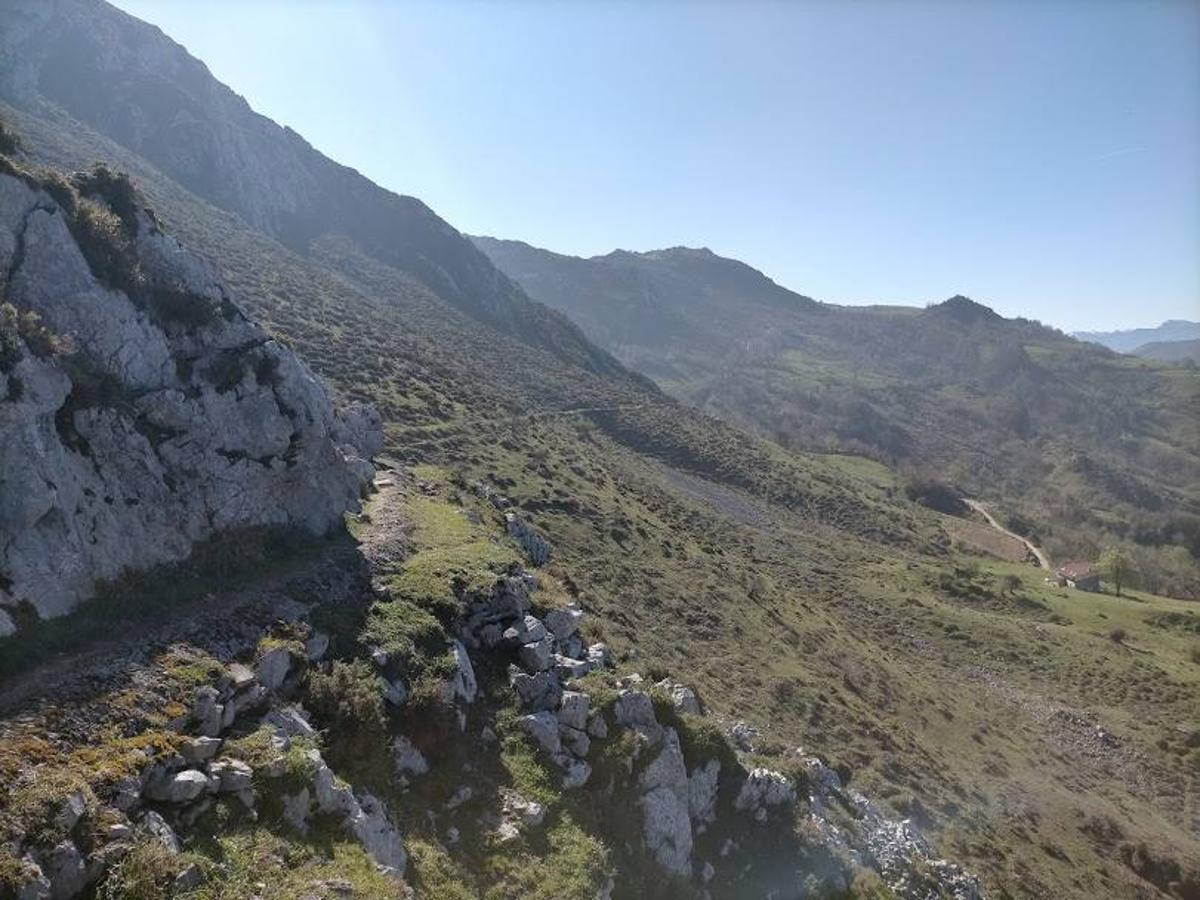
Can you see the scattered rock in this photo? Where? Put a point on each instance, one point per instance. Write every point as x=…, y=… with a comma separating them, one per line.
x=394, y=692
x=702, y=793
x=158, y=828
x=460, y=796
x=597, y=727
x=232, y=776
x=763, y=789
x=182, y=787
x=66, y=870
x=540, y=691
x=316, y=646
x=543, y=728
x=536, y=547
x=563, y=623
x=379, y=837
x=635, y=709
x=71, y=811
x=189, y=879
x=462, y=685
x=296, y=808
x=200, y=749
x=291, y=721
x=573, y=709
x=682, y=696
x=273, y=668
x=408, y=760
x=743, y=736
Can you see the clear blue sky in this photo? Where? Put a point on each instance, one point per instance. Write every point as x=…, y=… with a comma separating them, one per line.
x=1043, y=158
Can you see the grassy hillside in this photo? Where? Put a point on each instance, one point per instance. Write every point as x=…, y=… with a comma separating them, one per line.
x=1170, y=351
x=801, y=593
x=1080, y=447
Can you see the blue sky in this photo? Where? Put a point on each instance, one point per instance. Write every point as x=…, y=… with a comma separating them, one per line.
x=1043, y=158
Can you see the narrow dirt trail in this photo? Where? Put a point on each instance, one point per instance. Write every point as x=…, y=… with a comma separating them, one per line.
x=1041, y=557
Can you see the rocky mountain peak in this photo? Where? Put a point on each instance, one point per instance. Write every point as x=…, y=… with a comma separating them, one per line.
x=964, y=309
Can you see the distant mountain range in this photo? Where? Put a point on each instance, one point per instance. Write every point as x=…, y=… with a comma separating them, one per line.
x=1061, y=432
x=1170, y=351
x=1130, y=340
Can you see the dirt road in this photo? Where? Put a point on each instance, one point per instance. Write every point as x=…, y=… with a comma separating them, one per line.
x=1041, y=557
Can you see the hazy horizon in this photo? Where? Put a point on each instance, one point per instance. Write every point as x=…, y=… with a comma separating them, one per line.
x=1042, y=160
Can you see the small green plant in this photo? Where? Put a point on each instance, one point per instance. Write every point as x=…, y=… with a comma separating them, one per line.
x=17, y=326
x=348, y=702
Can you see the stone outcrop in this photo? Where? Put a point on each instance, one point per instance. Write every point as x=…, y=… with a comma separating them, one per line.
x=166, y=417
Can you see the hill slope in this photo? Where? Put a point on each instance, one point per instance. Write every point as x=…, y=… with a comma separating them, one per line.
x=1079, y=446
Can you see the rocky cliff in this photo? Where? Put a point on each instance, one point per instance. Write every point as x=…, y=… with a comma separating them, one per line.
x=141, y=412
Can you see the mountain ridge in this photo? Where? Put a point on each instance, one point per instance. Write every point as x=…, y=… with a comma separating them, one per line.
x=240, y=160
x=953, y=387
x=1129, y=339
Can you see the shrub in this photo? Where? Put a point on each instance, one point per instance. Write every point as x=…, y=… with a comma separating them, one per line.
x=146, y=873
x=935, y=494
x=9, y=143
x=114, y=188
x=1118, y=635
x=17, y=326
x=349, y=701
x=174, y=305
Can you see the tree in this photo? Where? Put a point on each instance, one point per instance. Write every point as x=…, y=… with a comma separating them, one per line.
x=1116, y=566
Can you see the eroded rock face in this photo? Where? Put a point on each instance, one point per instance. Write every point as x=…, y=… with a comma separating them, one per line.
x=169, y=424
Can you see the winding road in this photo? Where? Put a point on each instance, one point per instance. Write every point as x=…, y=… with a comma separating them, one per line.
x=1041, y=557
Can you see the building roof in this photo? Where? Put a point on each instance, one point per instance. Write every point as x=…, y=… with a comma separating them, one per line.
x=1076, y=570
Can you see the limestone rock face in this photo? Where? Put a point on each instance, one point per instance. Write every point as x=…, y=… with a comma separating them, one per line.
x=170, y=419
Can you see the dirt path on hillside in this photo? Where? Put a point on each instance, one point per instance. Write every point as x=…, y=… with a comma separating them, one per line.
x=1043, y=560
x=223, y=623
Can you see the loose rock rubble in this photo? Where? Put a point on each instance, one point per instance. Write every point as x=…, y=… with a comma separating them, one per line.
x=171, y=793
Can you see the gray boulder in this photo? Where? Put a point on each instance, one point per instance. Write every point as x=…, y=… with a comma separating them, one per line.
x=543, y=728
x=462, y=684
x=66, y=869
x=232, y=776
x=536, y=547
x=156, y=826
x=181, y=787
x=539, y=691
x=666, y=825
x=273, y=667
x=634, y=709
x=702, y=793
x=573, y=709
x=381, y=839
x=563, y=623
x=762, y=790
x=682, y=696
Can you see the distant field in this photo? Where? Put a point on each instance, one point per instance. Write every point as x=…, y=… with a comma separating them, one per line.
x=982, y=537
